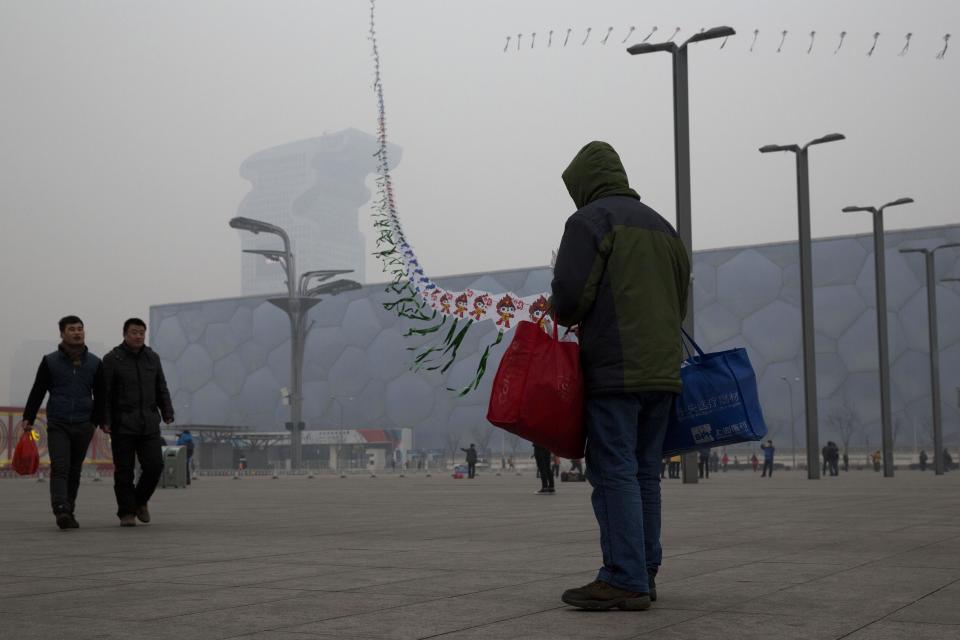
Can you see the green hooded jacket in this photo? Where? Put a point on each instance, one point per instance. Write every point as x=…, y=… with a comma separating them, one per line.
x=621, y=274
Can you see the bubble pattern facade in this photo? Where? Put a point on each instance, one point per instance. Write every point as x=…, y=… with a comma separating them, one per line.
x=226, y=360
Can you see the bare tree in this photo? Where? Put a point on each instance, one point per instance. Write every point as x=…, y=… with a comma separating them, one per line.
x=514, y=441
x=846, y=422
x=482, y=434
x=453, y=437
x=775, y=427
x=898, y=423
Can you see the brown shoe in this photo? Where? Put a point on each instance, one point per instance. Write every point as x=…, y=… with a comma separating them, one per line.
x=128, y=520
x=143, y=514
x=600, y=596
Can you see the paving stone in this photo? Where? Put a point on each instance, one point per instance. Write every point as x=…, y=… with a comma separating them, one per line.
x=359, y=559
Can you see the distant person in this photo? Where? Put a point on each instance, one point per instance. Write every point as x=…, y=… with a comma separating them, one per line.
x=510, y=464
x=74, y=379
x=768, y=450
x=947, y=460
x=923, y=460
x=703, y=463
x=754, y=462
x=675, y=466
x=714, y=461
x=876, y=457
x=664, y=462
x=556, y=466
x=725, y=461
x=825, y=452
x=846, y=461
x=544, y=469
x=185, y=439
x=471, y=460
x=137, y=399
x=622, y=274
x=834, y=458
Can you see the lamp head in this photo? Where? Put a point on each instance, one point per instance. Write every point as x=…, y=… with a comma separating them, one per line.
x=255, y=226
x=335, y=287
x=855, y=209
x=830, y=137
x=898, y=202
x=646, y=47
x=770, y=148
x=711, y=34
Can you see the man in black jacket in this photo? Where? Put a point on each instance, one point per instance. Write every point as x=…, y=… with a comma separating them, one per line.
x=136, y=397
x=471, y=460
x=73, y=377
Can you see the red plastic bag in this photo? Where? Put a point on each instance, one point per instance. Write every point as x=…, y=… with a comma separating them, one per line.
x=538, y=391
x=26, y=458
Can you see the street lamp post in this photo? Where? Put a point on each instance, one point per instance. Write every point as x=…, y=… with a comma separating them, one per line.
x=681, y=159
x=806, y=294
x=793, y=439
x=879, y=262
x=929, y=255
x=297, y=303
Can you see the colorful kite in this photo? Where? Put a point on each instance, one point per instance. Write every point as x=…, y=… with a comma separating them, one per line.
x=447, y=314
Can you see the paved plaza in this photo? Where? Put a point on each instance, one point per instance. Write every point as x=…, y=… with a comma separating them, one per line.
x=856, y=557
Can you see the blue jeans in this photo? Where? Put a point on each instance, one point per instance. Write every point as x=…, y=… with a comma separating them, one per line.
x=624, y=449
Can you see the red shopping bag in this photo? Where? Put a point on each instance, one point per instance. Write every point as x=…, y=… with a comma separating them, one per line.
x=538, y=391
x=26, y=458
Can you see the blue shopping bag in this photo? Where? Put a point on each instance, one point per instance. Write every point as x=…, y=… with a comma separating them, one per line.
x=719, y=404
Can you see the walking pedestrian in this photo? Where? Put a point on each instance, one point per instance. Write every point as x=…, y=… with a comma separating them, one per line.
x=73, y=377
x=185, y=439
x=703, y=463
x=544, y=471
x=675, y=466
x=725, y=461
x=622, y=274
x=754, y=462
x=846, y=462
x=768, y=450
x=834, y=453
x=923, y=460
x=136, y=398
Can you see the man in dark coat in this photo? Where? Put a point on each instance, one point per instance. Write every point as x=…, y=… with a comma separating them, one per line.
x=136, y=399
x=471, y=460
x=622, y=274
x=73, y=377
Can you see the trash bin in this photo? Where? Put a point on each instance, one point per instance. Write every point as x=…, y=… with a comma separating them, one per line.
x=174, y=468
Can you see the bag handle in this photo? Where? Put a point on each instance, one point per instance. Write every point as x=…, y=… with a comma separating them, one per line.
x=691, y=341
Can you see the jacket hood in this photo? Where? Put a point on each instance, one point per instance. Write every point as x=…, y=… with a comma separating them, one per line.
x=596, y=172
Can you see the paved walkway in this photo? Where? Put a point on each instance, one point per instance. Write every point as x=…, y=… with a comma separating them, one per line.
x=854, y=557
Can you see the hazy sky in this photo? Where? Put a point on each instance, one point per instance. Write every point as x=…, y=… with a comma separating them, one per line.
x=123, y=124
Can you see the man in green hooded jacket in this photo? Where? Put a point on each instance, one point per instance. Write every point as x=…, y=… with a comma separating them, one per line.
x=622, y=274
